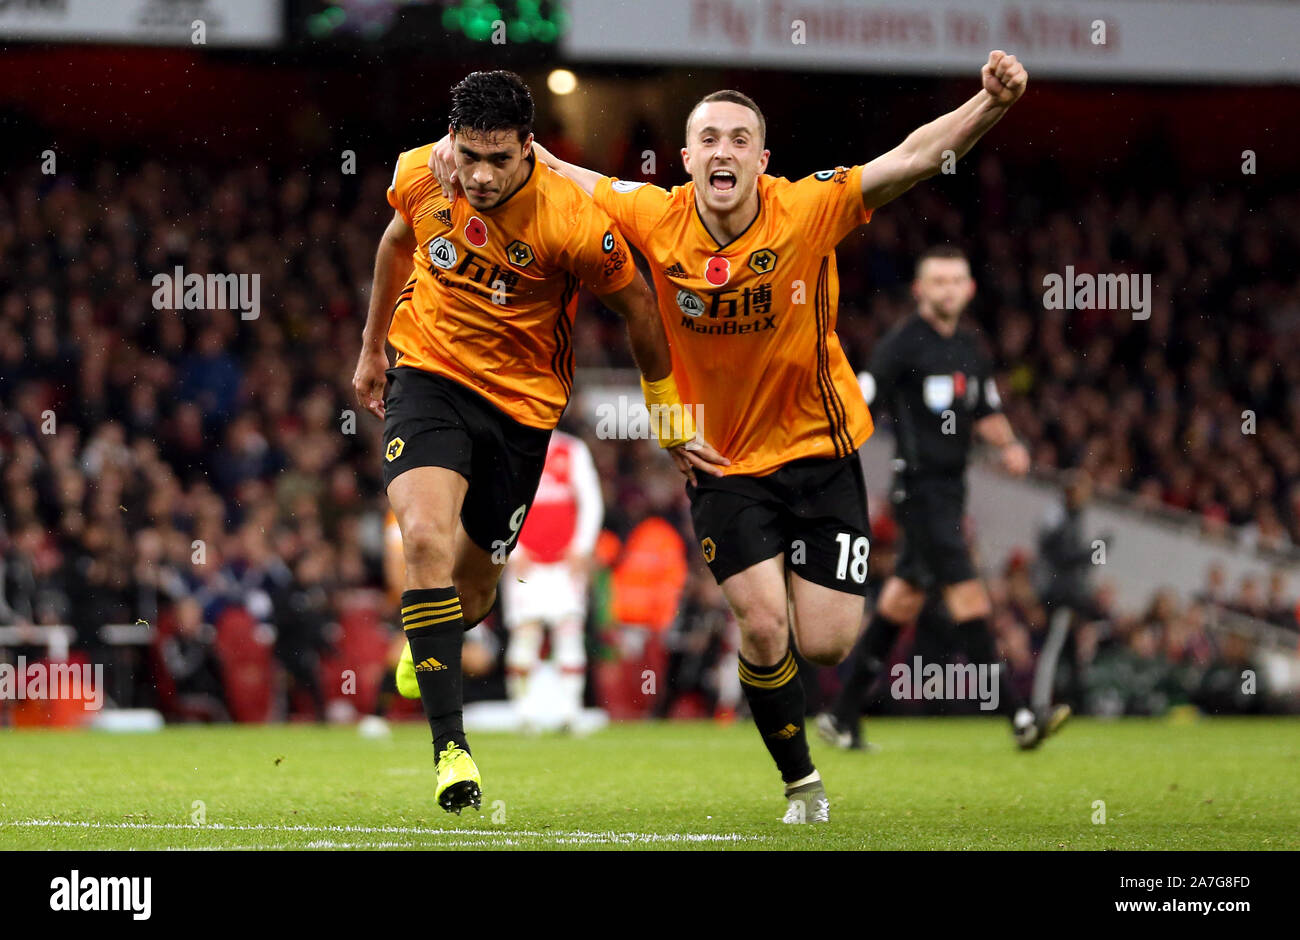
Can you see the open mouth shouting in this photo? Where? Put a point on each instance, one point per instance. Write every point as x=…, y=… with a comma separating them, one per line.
x=722, y=181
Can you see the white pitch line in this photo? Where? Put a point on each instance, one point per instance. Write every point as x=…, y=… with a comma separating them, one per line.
x=483, y=836
x=327, y=844
x=270, y=846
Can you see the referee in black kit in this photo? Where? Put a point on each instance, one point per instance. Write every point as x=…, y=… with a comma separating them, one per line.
x=936, y=382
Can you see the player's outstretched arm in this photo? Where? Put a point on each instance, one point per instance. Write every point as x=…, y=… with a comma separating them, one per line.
x=392, y=270
x=950, y=137
x=586, y=179
x=645, y=330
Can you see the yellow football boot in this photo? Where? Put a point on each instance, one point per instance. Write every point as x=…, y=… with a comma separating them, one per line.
x=407, y=685
x=459, y=784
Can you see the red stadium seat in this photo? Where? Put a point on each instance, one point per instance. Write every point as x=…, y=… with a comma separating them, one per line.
x=246, y=664
x=621, y=684
x=362, y=648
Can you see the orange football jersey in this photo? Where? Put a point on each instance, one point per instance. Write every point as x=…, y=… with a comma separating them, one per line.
x=491, y=301
x=752, y=324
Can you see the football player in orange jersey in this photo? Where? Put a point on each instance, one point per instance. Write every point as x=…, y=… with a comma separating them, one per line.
x=744, y=269
x=482, y=329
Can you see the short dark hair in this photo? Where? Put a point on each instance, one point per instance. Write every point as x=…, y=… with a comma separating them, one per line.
x=939, y=251
x=492, y=101
x=735, y=97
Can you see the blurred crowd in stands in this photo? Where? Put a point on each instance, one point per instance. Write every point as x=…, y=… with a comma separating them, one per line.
x=164, y=466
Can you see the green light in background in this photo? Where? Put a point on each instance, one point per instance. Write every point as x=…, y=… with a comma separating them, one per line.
x=477, y=26
x=525, y=20
x=326, y=21
x=546, y=31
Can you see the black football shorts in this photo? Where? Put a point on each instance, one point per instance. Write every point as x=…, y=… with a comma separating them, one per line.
x=431, y=421
x=812, y=511
x=929, y=511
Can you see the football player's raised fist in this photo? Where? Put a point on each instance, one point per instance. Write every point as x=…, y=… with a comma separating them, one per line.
x=1004, y=77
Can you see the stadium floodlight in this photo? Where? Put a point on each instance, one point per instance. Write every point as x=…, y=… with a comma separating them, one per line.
x=561, y=82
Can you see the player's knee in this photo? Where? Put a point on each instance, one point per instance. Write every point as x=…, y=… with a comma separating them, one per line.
x=968, y=602
x=427, y=549
x=767, y=632
x=901, y=606
x=826, y=651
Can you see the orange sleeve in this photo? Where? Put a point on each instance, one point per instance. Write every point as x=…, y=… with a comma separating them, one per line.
x=396, y=191
x=634, y=206
x=828, y=205
x=596, y=253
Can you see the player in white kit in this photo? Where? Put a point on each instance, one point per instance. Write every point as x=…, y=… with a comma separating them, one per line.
x=545, y=581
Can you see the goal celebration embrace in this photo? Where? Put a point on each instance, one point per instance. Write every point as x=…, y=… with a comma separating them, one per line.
x=783, y=525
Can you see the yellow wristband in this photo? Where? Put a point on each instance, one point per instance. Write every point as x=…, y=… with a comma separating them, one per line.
x=670, y=420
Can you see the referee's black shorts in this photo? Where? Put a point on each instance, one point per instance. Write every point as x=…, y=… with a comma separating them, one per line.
x=431, y=421
x=929, y=510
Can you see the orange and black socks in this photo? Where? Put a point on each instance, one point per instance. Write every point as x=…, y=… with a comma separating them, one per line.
x=777, y=703
x=435, y=628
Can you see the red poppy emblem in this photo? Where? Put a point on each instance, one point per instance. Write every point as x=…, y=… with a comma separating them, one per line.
x=476, y=232
x=718, y=272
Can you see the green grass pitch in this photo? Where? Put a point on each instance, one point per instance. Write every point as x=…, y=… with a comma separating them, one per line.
x=936, y=784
